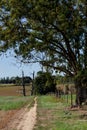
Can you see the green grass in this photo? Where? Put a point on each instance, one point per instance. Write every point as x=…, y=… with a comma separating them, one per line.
x=53, y=114
x=14, y=102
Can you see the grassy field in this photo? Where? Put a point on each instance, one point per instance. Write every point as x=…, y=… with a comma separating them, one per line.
x=55, y=114
x=14, y=102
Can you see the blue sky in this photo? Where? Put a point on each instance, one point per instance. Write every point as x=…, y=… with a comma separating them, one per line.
x=9, y=67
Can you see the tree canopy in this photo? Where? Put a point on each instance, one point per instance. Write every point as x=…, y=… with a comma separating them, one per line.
x=52, y=32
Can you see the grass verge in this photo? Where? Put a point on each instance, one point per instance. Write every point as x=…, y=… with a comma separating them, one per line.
x=14, y=102
x=54, y=114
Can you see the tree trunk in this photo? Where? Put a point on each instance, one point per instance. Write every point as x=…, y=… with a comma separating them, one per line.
x=81, y=92
x=77, y=96
x=71, y=98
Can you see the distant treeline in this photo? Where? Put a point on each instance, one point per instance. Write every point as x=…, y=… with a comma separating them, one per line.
x=15, y=80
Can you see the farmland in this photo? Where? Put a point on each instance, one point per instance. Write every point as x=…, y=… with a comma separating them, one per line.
x=13, y=90
x=52, y=113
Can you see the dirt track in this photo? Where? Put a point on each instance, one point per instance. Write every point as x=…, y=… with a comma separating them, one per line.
x=24, y=119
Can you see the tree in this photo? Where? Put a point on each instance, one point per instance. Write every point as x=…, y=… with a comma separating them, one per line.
x=55, y=30
x=44, y=83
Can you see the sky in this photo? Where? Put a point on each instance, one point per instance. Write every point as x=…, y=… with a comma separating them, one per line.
x=9, y=67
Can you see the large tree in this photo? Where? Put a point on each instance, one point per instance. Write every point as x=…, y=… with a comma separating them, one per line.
x=52, y=32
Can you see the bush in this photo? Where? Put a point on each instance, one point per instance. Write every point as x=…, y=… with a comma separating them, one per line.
x=44, y=83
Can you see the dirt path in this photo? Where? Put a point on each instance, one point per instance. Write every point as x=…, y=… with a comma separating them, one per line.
x=24, y=119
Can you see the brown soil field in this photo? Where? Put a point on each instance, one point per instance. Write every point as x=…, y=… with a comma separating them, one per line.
x=13, y=90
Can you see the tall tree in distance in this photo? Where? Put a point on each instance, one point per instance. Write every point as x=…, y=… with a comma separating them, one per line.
x=55, y=29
